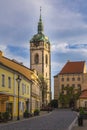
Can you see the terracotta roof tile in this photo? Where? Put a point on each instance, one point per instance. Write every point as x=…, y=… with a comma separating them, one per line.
x=73, y=67
x=16, y=66
x=83, y=94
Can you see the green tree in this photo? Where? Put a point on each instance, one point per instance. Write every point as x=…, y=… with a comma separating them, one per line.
x=43, y=86
x=53, y=103
x=68, y=96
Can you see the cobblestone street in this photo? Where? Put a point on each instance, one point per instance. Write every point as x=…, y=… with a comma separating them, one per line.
x=57, y=120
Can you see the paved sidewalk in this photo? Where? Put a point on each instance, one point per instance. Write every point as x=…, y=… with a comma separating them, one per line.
x=84, y=127
x=42, y=113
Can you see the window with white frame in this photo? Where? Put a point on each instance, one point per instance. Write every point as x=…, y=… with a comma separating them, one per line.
x=23, y=89
x=19, y=106
x=22, y=106
x=9, y=82
x=85, y=104
x=3, y=80
x=27, y=89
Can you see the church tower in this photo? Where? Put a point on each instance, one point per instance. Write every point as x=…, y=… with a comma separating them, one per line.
x=40, y=57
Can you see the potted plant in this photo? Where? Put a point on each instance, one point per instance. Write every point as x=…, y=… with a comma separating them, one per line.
x=36, y=112
x=0, y=116
x=81, y=111
x=26, y=114
x=5, y=116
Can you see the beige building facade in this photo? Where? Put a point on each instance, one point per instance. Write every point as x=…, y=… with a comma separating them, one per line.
x=73, y=74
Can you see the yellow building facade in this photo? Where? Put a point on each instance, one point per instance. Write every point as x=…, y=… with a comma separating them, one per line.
x=9, y=72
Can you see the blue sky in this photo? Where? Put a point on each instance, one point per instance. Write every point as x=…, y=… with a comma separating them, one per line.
x=65, y=23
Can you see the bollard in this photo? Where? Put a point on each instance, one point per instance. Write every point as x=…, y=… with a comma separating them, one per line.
x=80, y=120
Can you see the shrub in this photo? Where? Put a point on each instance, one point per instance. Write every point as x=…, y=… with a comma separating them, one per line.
x=36, y=112
x=5, y=116
x=81, y=111
x=27, y=114
x=0, y=116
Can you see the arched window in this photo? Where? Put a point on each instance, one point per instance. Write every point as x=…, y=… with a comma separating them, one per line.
x=46, y=59
x=36, y=59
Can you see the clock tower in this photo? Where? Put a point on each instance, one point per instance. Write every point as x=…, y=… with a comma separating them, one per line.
x=40, y=58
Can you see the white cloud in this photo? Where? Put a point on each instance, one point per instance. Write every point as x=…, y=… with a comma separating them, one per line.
x=61, y=47
x=3, y=47
x=18, y=58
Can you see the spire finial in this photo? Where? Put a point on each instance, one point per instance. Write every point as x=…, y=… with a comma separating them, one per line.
x=40, y=9
x=40, y=12
x=40, y=24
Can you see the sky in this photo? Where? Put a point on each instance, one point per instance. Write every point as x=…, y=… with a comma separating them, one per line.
x=65, y=23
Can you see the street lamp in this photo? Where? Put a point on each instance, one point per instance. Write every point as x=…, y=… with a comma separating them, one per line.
x=18, y=81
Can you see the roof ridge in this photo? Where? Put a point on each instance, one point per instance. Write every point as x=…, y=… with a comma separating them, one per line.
x=72, y=67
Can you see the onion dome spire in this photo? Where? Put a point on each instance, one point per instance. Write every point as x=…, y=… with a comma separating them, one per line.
x=40, y=24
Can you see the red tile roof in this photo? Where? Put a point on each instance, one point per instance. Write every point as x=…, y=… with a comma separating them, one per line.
x=83, y=94
x=73, y=67
x=28, y=73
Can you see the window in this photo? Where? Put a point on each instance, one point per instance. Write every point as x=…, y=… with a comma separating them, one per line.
x=73, y=79
x=73, y=85
x=79, y=87
x=67, y=85
x=62, y=87
x=23, y=89
x=7, y=106
x=20, y=106
x=67, y=79
x=62, y=79
x=3, y=80
x=46, y=74
x=46, y=59
x=27, y=89
x=9, y=82
x=36, y=59
x=78, y=78
x=85, y=104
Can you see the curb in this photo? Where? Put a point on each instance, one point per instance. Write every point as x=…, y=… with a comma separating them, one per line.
x=72, y=124
x=15, y=121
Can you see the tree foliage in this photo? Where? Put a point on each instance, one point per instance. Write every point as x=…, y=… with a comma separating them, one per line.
x=68, y=96
x=43, y=86
x=53, y=103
